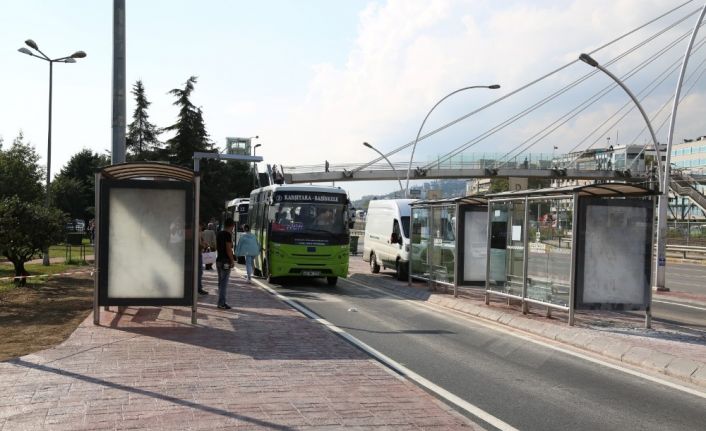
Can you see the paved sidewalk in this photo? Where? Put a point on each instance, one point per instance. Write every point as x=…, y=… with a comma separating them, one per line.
x=677, y=353
x=260, y=365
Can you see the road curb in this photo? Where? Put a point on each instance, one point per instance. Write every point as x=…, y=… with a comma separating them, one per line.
x=684, y=369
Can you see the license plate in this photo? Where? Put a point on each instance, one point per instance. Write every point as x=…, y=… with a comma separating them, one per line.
x=311, y=273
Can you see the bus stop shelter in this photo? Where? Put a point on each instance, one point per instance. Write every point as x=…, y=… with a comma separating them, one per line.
x=146, y=220
x=448, y=241
x=572, y=248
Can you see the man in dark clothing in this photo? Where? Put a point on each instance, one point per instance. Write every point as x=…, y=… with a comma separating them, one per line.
x=224, y=260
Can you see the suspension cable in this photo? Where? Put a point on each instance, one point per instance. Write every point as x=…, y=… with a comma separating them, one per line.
x=547, y=99
x=605, y=45
x=589, y=102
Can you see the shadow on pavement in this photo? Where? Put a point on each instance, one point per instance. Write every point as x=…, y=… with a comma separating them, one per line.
x=152, y=394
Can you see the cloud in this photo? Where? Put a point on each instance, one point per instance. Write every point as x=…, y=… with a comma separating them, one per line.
x=410, y=53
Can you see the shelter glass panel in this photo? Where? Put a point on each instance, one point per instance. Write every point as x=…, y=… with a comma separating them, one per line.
x=615, y=249
x=420, y=243
x=147, y=243
x=506, y=259
x=443, y=250
x=549, y=250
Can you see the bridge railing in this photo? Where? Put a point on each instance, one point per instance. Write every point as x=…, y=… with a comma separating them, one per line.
x=489, y=160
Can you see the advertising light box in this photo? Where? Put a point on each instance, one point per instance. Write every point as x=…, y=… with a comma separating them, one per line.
x=147, y=238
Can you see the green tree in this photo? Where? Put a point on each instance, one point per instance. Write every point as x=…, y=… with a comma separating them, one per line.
x=20, y=173
x=190, y=131
x=141, y=142
x=26, y=228
x=70, y=196
x=81, y=167
x=222, y=181
x=498, y=185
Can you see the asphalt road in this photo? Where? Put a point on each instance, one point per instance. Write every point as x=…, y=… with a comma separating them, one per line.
x=686, y=277
x=526, y=385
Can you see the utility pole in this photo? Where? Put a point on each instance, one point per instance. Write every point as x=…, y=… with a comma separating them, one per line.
x=119, y=122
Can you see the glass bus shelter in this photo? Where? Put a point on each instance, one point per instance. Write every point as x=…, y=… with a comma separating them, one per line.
x=569, y=248
x=448, y=241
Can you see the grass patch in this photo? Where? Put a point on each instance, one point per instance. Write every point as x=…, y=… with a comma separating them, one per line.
x=39, y=317
x=60, y=250
x=7, y=270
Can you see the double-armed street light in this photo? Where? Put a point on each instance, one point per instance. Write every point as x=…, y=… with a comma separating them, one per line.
x=411, y=158
x=67, y=59
x=389, y=163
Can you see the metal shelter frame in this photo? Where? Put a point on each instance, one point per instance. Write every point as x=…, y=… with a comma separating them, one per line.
x=460, y=205
x=149, y=172
x=575, y=194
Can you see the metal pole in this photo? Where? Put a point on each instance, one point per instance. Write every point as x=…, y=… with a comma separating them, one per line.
x=404, y=193
x=664, y=197
x=430, y=246
x=458, y=224
x=525, y=256
x=96, y=238
x=487, y=255
x=653, y=275
x=45, y=257
x=197, y=208
x=572, y=267
x=409, y=259
x=118, y=121
x=414, y=146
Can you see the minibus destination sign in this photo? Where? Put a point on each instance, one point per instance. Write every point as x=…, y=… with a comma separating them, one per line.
x=328, y=198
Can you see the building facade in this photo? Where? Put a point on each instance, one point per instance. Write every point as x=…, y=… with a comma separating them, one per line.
x=690, y=155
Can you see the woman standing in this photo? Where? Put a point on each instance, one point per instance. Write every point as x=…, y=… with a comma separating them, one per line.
x=247, y=246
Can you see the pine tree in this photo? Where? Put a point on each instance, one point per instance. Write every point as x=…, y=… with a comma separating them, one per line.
x=190, y=130
x=141, y=142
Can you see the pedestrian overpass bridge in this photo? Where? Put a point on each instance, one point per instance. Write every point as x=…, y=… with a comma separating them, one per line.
x=379, y=172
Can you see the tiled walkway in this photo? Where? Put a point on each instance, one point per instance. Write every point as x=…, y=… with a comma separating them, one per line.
x=260, y=365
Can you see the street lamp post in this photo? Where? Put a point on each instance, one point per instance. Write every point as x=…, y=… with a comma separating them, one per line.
x=254, y=166
x=68, y=59
x=411, y=158
x=664, y=196
x=391, y=165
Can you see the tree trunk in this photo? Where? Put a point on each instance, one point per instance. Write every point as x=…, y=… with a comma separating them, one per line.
x=20, y=273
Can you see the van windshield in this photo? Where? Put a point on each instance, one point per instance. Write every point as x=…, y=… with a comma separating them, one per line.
x=405, y=225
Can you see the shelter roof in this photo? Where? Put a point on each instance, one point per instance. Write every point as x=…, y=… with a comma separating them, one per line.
x=601, y=190
x=144, y=170
x=466, y=200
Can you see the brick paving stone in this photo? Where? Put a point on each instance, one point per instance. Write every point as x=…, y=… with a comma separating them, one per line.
x=259, y=366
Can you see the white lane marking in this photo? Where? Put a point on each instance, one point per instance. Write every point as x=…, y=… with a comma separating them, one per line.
x=401, y=369
x=504, y=330
x=680, y=304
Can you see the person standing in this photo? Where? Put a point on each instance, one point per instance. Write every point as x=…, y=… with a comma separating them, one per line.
x=209, y=237
x=248, y=247
x=224, y=261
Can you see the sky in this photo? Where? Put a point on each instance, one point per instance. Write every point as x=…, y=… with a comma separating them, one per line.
x=315, y=78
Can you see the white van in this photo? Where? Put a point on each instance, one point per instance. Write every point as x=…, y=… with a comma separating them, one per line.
x=386, y=242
